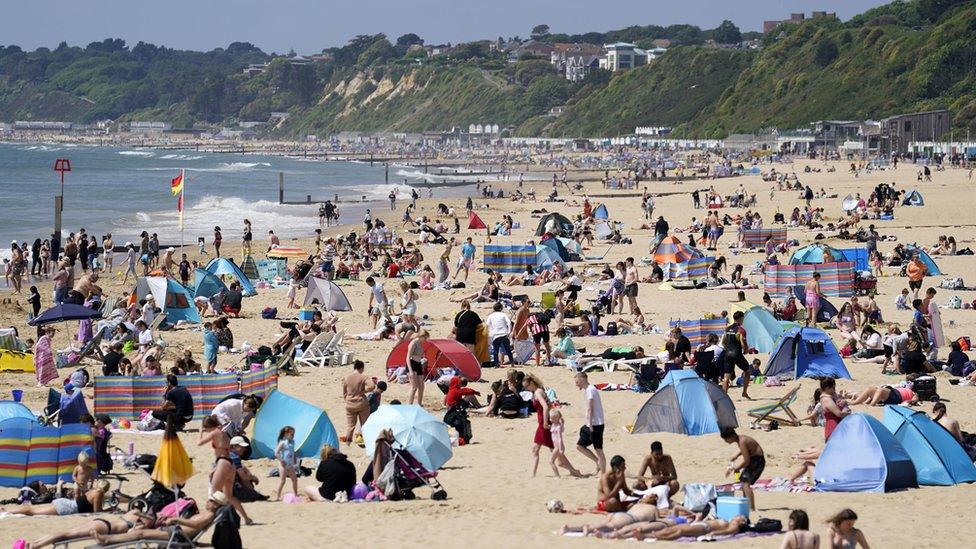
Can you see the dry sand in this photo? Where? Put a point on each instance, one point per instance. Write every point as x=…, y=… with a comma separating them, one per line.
x=493, y=499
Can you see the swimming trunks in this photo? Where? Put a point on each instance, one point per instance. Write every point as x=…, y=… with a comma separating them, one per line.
x=752, y=471
x=812, y=300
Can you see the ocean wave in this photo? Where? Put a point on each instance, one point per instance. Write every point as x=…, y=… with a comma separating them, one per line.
x=233, y=167
x=180, y=157
x=137, y=153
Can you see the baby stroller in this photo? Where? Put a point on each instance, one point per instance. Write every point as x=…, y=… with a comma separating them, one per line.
x=152, y=500
x=403, y=473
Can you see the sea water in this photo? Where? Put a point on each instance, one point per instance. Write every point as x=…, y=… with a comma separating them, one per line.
x=125, y=191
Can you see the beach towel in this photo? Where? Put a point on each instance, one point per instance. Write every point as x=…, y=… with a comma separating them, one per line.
x=44, y=366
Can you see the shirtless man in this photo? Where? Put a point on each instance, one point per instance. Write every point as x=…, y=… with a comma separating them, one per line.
x=611, y=484
x=753, y=461
x=188, y=527
x=662, y=470
x=714, y=230
x=630, y=284
x=951, y=425
x=104, y=525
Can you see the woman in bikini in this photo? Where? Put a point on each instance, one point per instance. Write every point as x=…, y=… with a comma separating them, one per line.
x=109, y=524
x=223, y=473
x=714, y=527
x=643, y=511
x=88, y=502
x=841, y=533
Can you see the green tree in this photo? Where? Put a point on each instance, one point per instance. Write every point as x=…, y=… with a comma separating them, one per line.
x=409, y=39
x=544, y=94
x=597, y=77
x=539, y=32
x=727, y=33
x=825, y=52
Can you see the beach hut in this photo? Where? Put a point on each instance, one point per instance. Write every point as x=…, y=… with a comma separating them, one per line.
x=171, y=296
x=206, y=284
x=763, y=331
x=861, y=455
x=816, y=254
x=601, y=212
x=440, y=353
x=806, y=352
x=558, y=247
x=938, y=457
x=313, y=429
x=546, y=257
x=686, y=404
x=827, y=310
x=328, y=294
x=913, y=198
x=508, y=259
x=672, y=250
x=554, y=223
x=221, y=266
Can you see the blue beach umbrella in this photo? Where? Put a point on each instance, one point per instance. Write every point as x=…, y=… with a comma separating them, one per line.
x=64, y=312
x=414, y=429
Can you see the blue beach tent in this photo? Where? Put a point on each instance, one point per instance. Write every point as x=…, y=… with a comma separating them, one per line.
x=312, y=426
x=763, y=331
x=861, y=455
x=15, y=410
x=221, y=266
x=601, y=212
x=815, y=254
x=557, y=246
x=913, y=198
x=806, y=352
x=546, y=257
x=686, y=404
x=857, y=256
x=938, y=457
x=171, y=296
x=206, y=284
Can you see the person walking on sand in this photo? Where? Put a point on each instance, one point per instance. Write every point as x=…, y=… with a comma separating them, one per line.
x=916, y=271
x=354, y=389
x=591, y=434
x=417, y=362
x=217, y=239
x=543, y=432
x=466, y=259
x=44, y=367
x=812, y=299
x=108, y=253
x=753, y=462
x=631, y=277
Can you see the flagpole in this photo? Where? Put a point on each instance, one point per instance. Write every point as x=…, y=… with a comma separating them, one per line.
x=182, y=205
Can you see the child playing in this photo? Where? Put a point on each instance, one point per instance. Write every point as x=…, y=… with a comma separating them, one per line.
x=877, y=263
x=292, y=292
x=556, y=428
x=210, y=347
x=901, y=302
x=83, y=473
x=753, y=462
x=285, y=454
x=102, y=436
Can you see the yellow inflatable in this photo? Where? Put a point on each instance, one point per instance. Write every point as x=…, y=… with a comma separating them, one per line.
x=16, y=361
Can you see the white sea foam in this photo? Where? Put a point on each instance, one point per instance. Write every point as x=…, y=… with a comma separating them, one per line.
x=137, y=153
x=181, y=157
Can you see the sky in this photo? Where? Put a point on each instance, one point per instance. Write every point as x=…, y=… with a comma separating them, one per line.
x=308, y=26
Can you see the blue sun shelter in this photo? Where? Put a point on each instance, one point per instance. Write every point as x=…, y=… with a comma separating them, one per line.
x=861, y=455
x=815, y=254
x=174, y=299
x=806, y=352
x=763, y=331
x=312, y=426
x=913, y=198
x=546, y=257
x=206, y=284
x=221, y=266
x=686, y=404
x=938, y=457
x=601, y=212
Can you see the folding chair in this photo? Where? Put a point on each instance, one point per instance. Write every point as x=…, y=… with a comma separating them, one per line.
x=52, y=409
x=284, y=361
x=93, y=347
x=176, y=540
x=157, y=321
x=322, y=350
x=769, y=411
x=646, y=376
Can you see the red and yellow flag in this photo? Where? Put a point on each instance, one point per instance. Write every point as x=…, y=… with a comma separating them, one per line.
x=176, y=185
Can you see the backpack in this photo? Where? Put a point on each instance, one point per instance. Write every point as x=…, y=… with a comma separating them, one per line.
x=764, y=525
x=611, y=329
x=542, y=319
x=955, y=302
x=269, y=312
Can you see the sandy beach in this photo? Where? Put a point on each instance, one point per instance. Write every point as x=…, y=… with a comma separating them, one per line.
x=493, y=499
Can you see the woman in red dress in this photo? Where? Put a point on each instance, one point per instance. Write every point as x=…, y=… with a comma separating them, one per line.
x=543, y=434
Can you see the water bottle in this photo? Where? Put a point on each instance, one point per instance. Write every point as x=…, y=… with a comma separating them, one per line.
x=132, y=448
x=452, y=432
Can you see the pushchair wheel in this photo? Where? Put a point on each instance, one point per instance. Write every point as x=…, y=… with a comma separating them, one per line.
x=439, y=495
x=112, y=501
x=139, y=504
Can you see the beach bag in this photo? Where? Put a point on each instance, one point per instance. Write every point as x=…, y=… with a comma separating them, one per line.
x=952, y=283
x=269, y=312
x=964, y=343
x=765, y=525
x=955, y=302
x=386, y=482
x=179, y=508
x=699, y=496
x=611, y=329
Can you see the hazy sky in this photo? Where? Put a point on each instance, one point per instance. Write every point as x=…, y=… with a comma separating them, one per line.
x=308, y=26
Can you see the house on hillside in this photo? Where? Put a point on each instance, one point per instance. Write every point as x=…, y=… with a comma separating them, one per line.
x=577, y=67
x=622, y=56
x=898, y=131
x=563, y=52
x=535, y=49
